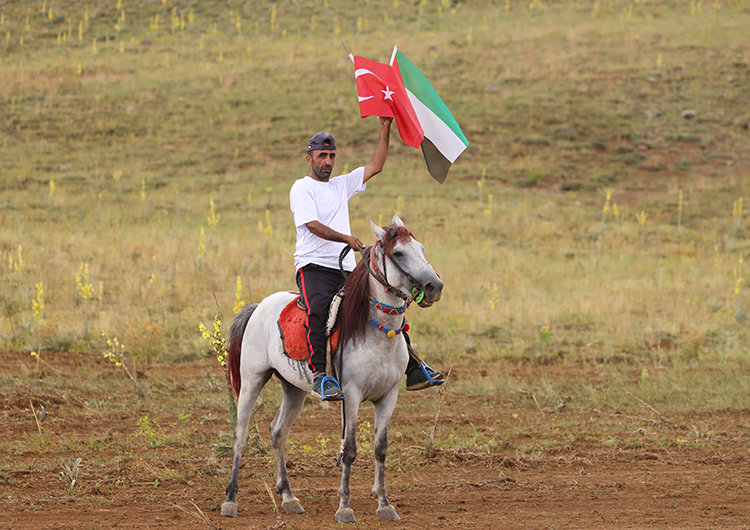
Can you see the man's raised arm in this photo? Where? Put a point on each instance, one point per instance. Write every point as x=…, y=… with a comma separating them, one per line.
x=377, y=161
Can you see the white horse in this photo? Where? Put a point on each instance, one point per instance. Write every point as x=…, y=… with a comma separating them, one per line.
x=370, y=363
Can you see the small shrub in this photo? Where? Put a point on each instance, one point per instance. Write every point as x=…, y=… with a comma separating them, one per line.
x=633, y=159
x=147, y=431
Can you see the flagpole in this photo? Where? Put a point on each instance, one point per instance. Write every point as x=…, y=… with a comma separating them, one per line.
x=347, y=51
x=393, y=56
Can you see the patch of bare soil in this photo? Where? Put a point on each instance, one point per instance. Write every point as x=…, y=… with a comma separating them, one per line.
x=124, y=483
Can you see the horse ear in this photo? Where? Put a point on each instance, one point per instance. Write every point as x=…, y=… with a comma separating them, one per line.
x=379, y=232
x=397, y=220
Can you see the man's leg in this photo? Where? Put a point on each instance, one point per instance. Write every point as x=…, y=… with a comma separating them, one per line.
x=420, y=376
x=317, y=285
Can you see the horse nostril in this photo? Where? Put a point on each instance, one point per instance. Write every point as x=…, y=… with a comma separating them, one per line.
x=431, y=289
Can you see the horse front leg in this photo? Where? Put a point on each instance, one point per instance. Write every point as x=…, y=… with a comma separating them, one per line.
x=383, y=411
x=245, y=403
x=291, y=406
x=345, y=514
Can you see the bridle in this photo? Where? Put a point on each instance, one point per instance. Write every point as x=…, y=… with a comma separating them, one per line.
x=368, y=256
x=371, y=264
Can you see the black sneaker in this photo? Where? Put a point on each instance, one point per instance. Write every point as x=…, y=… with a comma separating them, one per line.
x=327, y=388
x=424, y=377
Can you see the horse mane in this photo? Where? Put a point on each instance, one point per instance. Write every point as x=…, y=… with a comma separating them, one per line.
x=355, y=309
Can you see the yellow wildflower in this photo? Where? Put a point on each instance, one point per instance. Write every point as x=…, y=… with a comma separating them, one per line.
x=238, y=296
x=201, y=243
x=211, y=218
x=85, y=289
x=38, y=303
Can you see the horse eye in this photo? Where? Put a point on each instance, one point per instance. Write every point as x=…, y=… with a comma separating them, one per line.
x=397, y=254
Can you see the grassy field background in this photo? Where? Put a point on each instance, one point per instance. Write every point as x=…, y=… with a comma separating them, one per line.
x=592, y=240
x=591, y=221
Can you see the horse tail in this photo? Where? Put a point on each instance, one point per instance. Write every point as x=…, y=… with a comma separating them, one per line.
x=235, y=345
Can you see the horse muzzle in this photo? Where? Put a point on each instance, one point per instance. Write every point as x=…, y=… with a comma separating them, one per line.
x=432, y=290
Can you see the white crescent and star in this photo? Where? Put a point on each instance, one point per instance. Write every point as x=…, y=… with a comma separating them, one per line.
x=387, y=93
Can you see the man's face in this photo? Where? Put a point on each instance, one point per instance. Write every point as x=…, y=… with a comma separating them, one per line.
x=321, y=163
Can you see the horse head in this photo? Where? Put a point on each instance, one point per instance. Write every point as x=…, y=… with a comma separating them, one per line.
x=410, y=272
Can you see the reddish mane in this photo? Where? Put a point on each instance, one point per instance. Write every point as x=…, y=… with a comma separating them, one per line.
x=355, y=309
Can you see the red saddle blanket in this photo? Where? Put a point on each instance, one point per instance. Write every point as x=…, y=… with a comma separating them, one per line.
x=293, y=333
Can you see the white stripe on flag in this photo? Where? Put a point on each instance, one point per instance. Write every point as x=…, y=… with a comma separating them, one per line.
x=437, y=131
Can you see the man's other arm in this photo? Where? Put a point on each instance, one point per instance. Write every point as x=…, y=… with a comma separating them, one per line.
x=329, y=234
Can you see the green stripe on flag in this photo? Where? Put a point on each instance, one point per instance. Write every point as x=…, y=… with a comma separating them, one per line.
x=416, y=83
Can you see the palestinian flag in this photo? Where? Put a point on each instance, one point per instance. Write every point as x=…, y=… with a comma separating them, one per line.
x=422, y=117
x=443, y=139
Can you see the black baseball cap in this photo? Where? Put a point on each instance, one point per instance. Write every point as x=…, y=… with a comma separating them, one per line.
x=323, y=141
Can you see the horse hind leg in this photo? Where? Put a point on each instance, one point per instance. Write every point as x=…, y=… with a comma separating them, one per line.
x=383, y=411
x=291, y=406
x=248, y=395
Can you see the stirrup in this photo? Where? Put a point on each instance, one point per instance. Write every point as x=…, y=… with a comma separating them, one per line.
x=323, y=396
x=426, y=369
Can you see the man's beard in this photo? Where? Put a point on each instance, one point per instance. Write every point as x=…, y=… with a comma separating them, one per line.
x=323, y=173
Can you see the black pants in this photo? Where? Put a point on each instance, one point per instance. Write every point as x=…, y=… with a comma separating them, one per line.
x=317, y=285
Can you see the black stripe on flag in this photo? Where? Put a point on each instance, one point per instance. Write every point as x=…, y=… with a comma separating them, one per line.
x=437, y=164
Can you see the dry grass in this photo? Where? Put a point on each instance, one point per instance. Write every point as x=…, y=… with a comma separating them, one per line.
x=540, y=91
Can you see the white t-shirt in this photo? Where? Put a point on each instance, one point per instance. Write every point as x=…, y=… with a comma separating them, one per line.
x=327, y=203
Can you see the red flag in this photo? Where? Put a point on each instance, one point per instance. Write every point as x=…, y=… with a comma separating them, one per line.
x=381, y=93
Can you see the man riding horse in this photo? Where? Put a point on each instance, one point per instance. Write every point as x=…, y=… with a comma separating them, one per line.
x=321, y=215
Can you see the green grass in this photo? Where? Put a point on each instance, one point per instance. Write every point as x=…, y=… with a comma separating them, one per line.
x=558, y=96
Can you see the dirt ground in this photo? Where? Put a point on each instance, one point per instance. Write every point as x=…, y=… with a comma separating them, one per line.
x=124, y=483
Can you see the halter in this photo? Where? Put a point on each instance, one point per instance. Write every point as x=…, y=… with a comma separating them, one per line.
x=368, y=256
x=372, y=267
x=382, y=277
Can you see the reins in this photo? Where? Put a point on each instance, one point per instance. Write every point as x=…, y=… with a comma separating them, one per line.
x=368, y=256
x=372, y=267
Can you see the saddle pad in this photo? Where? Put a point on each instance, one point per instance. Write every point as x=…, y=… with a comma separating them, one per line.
x=293, y=333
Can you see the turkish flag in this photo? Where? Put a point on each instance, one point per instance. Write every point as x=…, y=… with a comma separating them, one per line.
x=381, y=93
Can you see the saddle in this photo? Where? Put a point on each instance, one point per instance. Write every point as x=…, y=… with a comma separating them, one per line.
x=292, y=327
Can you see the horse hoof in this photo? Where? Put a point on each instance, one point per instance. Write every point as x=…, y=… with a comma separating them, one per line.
x=387, y=513
x=229, y=509
x=292, y=506
x=345, y=515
